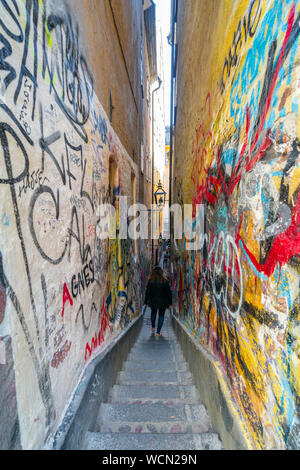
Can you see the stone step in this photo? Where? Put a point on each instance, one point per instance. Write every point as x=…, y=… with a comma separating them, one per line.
x=155, y=377
x=121, y=414
x=137, y=427
x=154, y=401
x=157, y=345
x=139, y=363
x=153, y=358
x=149, y=392
x=154, y=404
x=158, y=348
x=146, y=337
x=157, y=366
x=160, y=352
x=156, y=340
x=151, y=354
x=167, y=354
x=123, y=441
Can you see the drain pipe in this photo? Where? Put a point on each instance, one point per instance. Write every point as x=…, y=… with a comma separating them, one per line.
x=153, y=108
x=172, y=42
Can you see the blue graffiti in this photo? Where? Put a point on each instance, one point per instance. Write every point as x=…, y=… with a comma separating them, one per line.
x=271, y=27
x=5, y=220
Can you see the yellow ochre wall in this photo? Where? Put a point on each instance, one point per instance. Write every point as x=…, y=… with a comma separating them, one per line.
x=237, y=157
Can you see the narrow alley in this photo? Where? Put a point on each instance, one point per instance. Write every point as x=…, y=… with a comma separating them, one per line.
x=154, y=404
x=149, y=171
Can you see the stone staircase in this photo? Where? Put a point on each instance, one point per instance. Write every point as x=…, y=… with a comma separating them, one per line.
x=154, y=405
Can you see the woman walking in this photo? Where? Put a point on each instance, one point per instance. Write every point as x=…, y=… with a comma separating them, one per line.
x=158, y=297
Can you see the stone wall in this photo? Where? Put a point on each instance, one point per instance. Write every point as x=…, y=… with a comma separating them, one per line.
x=237, y=158
x=64, y=292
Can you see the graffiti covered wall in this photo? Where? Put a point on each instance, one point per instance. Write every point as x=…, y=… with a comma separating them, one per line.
x=237, y=156
x=59, y=301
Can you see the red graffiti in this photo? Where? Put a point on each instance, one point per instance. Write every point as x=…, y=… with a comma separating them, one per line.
x=61, y=354
x=66, y=296
x=204, y=190
x=242, y=151
x=98, y=338
x=201, y=140
x=251, y=162
x=285, y=245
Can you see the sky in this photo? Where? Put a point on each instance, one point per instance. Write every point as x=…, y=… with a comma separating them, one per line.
x=163, y=11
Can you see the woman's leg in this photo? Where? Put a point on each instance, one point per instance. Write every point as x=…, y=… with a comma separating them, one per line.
x=160, y=319
x=153, y=317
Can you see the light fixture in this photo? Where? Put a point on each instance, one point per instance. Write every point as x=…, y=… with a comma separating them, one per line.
x=160, y=195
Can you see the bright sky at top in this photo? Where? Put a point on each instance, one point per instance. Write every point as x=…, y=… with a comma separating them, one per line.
x=163, y=12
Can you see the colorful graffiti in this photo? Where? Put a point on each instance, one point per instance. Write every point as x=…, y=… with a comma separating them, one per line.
x=239, y=293
x=55, y=142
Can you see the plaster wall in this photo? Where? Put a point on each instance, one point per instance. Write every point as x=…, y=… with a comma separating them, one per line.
x=65, y=293
x=237, y=158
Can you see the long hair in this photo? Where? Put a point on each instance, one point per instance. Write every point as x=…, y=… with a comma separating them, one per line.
x=157, y=275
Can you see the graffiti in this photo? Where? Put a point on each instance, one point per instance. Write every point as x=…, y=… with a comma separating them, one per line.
x=59, y=336
x=238, y=293
x=41, y=367
x=246, y=28
x=119, y=312
x=2, y=301
x=5, y=220
x=66, y=298
x=82, y=280
x=24, y=108
x=91, y=231
x=99, y=338
x=100, y=126
x=265, y=46
x=60, y=355
x=77, y=202
x=55, y=142
x=223, y=270
x=31, y=181
x=70, y=79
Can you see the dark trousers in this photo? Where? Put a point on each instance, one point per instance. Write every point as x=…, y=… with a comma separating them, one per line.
x=161, y=316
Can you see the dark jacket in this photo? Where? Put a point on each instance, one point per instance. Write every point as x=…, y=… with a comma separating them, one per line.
x=158, y=294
